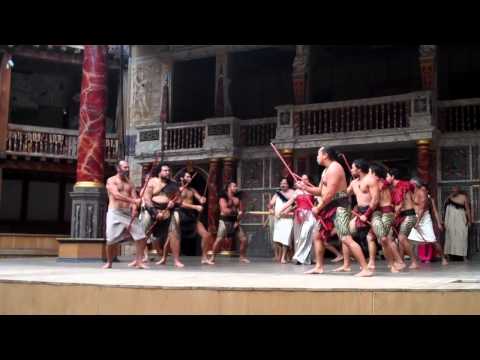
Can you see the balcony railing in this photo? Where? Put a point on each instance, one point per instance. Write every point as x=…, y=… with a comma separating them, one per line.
x=459, y=115
x=259, y=132
x=185, y=136
x=392, y=112
x=51, y=143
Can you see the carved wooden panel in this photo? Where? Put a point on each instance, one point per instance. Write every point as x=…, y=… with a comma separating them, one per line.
x=455, y=163
x=152, y=135
x=252, y=174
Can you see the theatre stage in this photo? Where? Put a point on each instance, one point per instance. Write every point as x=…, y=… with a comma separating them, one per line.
x=45, y=286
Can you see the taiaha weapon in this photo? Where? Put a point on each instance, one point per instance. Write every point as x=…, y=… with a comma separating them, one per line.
x=346, y=163
x=150, y=230
x=292, y=174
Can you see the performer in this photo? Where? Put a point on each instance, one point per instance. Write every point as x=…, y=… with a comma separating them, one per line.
x=367, y=192
x=231, y=212
x=458, y=218
x=160, y=200
x=382, y=221
x=333, y=209
x=122, y=215
x=189, y=217
x=405, y=215
x=423, y=231
x=283, y=223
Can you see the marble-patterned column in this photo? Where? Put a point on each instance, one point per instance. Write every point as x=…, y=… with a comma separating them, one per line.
x=424, y=159
x=213, y=207
x=222, y=84
x=89, y=201
x=229, y=173
x=5, y=90
x=93, y=104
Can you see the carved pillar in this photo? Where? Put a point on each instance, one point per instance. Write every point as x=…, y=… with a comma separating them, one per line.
x=288, y=156
x=213, y=196
x=222, y=84
x=165, y=114
x=89, y=195
x=300, y=75
x=229, y=173
x=428, y=66
x=423, y=160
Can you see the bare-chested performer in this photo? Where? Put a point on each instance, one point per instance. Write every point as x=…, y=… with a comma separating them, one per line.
x=334, y=208
x=189, y=217
x=366, y=189
x=231, y=212
x=122, y=215
x=423, y=231
x=160, y=199
x=382, y=221
x=405, y=215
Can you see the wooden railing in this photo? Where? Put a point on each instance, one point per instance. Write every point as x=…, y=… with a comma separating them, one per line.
x=459, y=115
x=51, y=142
x=259, y=132
x=392, y=112
x=185, y=136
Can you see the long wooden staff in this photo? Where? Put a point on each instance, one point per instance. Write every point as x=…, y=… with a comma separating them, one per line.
x=292, y=174
x=147, y=180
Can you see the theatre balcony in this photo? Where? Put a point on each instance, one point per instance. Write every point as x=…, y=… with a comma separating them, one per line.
x=393, y=120
x=42, y=143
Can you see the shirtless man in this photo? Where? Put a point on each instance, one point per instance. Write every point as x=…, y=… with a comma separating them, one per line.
x=382, y=221
x=423, y=231
x=366, y=189
x=160, y=199
x=189, y=215
x=405, y=215
x=334, y=208
x=231, y=212
x=122, y=216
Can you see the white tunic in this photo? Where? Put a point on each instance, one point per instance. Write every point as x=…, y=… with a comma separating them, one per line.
x=283, y=227
x=427, y=234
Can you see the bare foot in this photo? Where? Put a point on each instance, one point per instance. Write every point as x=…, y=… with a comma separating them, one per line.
x=163, y=261
x=343, y=269
x=394, y=270
x=414, y=266
x=244, y=261
x=371, y=267
x=364, y=273
x=315, y=271
x=178, y=264
x=207, y=262
x=337, y=259
x=444, y=262
x=133, y=264
x=400, y=266
x=142, y=266
x=107, y=266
